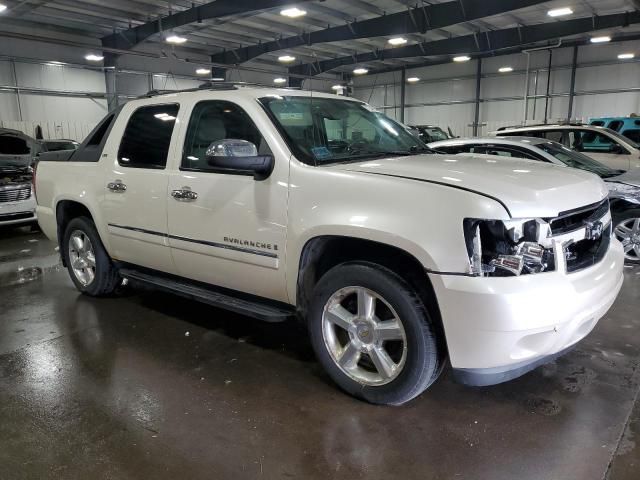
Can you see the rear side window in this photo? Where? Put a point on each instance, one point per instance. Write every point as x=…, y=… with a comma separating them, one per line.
x=146, y=140
x=597, y=123
x=97, y=137
x=633, y=135
x=554, y=135
x=10, y=145
x=616, y=125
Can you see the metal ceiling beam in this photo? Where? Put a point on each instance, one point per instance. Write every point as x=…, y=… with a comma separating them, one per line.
x=131, y=37
x=489, y=41
x=413, y=20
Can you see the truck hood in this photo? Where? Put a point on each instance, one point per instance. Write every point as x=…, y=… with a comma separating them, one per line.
x=526, y=188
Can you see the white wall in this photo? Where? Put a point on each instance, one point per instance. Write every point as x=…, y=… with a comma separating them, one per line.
x=445, y=96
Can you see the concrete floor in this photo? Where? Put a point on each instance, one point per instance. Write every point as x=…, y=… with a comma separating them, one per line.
x=153, y=386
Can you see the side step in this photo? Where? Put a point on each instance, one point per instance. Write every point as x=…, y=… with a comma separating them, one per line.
x=256, y=307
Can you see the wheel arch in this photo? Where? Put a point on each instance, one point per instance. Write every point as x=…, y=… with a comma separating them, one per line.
x=324, y=252
x=65, y=211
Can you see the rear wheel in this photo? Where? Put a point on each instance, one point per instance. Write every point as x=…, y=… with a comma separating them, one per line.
x=627, y=230
x=89, y=265
x=372, y=334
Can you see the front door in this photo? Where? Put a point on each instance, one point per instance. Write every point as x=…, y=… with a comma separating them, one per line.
x=600, y=147
x=226, y=229
x=136, y=186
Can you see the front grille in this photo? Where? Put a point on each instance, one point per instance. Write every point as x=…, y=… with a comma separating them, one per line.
x=586, y=253
x=15, y=194
x=9, y=217
x=573, y=220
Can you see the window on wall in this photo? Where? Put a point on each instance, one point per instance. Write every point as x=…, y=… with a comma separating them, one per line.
x=215, y=120
x=146, y=139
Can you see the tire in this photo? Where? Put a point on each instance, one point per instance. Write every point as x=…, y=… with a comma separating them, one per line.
x=415, y=352
x=105, y=278
x=626, y=228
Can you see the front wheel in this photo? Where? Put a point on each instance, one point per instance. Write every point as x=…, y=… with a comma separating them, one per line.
x=373, y=335
x=627, y=230
x=89, y=265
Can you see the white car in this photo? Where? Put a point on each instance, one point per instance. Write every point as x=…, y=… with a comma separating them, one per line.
x=280, y=203
x=602, y=144
x=624, y=187
x=17, y=203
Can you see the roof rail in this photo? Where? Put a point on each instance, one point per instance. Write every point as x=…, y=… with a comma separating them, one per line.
x=210, y=85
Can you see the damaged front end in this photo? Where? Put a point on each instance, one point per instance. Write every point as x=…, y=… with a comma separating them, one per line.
x=15, y=183
x=572, y=241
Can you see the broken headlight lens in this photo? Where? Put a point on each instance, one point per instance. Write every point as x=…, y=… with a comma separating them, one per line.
x=499, y=248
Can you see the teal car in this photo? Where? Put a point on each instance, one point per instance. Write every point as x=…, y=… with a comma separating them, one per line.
x=626, y=126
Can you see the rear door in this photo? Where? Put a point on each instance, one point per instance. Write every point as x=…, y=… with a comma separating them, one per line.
x=136, y=185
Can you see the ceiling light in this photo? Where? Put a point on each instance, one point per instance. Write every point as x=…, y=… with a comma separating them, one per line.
x=360, y=71
x=2, y=7
x=217, y=79
x=94, y=58
x=462, y=58
x=413, y=79
x=505, y=69
x=338, y=87
x=397, y=41
x=203, y=71
x=293, y=12
x=286, y=58
x=626, y=56
x=560, y=12
x=175, y=39
x=55, y=63
x=600, y=39
x=280, y=80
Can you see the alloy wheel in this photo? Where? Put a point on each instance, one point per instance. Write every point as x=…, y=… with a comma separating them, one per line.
x=364, y=336
x=82, y=257
x=628, y=232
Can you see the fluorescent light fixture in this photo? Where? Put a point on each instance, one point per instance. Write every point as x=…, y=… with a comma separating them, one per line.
x=462, y=58
x=338, y=87
x=217, y=79
x=54, y=63
x=293, y=12
x=413, y=79
x=397, y=41
x=203, y=71
x=505, y=69
x=2, y=7
x=360, y=71
x=626, y=56
x=286, y=58
x=93, y=57
x=560, y=12
x=279, y=80
x=603, y=39
x=175, y=39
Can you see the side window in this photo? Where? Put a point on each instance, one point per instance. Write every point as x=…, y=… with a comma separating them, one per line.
x=616, y=125
x=554, y=135
x=633, y=135
x=455, y=149
x=98, y=135
x=595, y=142
x=597, y=123
x=146, y=140
x=215, y=120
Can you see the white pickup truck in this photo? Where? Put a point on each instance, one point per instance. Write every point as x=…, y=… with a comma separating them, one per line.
x=280, y=203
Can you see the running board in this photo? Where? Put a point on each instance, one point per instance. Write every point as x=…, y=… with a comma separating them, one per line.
x=256, y=307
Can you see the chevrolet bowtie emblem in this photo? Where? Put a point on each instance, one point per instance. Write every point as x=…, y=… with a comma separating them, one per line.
x=593, y=230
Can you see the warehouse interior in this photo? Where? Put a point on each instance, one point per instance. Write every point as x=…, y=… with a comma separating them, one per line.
x=148, y=384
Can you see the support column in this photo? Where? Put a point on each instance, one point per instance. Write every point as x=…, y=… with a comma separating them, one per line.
x=111, y=82
x=403, y=93
x=476, y=120
x=15, y=83
x=572, y=89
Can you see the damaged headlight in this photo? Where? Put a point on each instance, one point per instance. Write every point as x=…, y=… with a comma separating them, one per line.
x=630, y=193
x=499, y=248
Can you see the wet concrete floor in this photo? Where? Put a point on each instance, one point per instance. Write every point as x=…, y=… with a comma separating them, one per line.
x=149, y=385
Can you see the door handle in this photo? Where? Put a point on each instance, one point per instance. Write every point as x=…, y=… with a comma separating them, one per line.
x=117, y=186
x=185, y=194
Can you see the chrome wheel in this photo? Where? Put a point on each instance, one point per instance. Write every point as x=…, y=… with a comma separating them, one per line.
x=364, y=336
x=82, y=257
x=628, y=232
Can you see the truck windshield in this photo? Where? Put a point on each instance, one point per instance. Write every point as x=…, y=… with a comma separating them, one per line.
x=574, y=159
x=325, y=130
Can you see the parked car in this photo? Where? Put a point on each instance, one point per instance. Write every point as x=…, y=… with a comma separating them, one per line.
x=17, y=152
x=624, y=187
x=430, y=133
x=281, y=203
x=602, y=144
x=58, y=145
x=626, y=126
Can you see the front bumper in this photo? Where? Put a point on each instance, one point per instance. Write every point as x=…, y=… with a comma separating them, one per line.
x=15, y=213
x=500, y=328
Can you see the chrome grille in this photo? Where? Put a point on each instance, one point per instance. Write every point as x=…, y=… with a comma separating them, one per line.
x=15, y=193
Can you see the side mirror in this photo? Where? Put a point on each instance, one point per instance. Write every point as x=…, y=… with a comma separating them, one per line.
x=239, y=157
